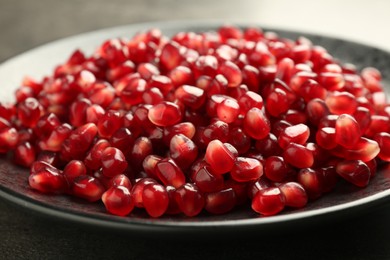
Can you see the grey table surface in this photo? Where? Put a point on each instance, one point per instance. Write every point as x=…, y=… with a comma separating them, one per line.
x=26, y=24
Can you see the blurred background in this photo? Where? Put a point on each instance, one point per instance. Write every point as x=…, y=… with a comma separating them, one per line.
x=25, y=24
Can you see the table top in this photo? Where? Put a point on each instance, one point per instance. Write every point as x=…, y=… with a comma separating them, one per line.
x=26, y=235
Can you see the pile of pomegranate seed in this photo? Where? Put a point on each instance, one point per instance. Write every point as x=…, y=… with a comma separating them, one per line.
x=199, y=122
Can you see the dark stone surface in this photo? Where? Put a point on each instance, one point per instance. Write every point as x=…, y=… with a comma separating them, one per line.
x=27, y=235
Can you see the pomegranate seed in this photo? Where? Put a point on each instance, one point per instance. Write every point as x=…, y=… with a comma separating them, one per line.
x=181, y=75
x=269, y=201
x=186, y=128
x=118, y=200
x=173, y=207
x=92, y=160
x=189, y=199
x=47, y=180
x=110, y=122
x=155, y=199
x=268, y=146
x=294, y=194
x=355, y=172
x=276, y=169
x=383, y=140
x=113, y=162
x=220, y=202
x=341, y=103
x=365, y=150
x=231, y=72
x=170, y=56
x=137, y=191
x=183, y=151
x=219, y=157
x=347, y=131
x=24, y=154
x=142, y=147
x=246, y=169
x=298, y=156
x=207, y=181
x=311, y=89
x=74, y=169
x=165, y=114
x=293, y=134
x=228, y=110
x=326, y=137
x=316, y=110
x=312, y=181
x=169, y=173
x=88, y=188
x=256, y=124
x=8, y=139
x=191, y=96
x=29, y=112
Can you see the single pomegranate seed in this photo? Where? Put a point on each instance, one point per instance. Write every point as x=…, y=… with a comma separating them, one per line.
x=24, y=154
x=122, y=139
x=109, y=123
x=165, y=114
x=152, y=96
x=293, y=134
x=207, y=181
x=88, y=188
x=8, y=139
x=189, y=199
x=79, y=141
x=56, y=138
x=183, y=151
x=330, y=178
x=341, y=103
x=256, y=124
x=383, y=140
x=46, y=125
x=220, y=202
x=191, y=96
x=137, y=190
x=170, y=56
x=326, y=137
x=47, y=180
x=29, y=112
x=311, y=89
x=169, y=173
x=268, y=146
x=365, y=150
x=377, y=124
x=142, y=147
x=231, y=72
x=186, y=128
x=316, y=110
x=181, y=75
x=295, y=195
x=269, y=201
x=92, y=160
x=276, y=169
x=118, y=200
x=155, y=199
x=113, y=162
x=239, y=140
x=298, y=156
x=246, y=169
x=228, y=110
x=312, y=181
x=74, y=169
x=347, y=131
x=277, y=102
x=173, y=207
x=219, y=157
x=354, y=171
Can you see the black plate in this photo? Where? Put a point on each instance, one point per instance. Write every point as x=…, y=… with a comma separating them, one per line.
x=343, y=202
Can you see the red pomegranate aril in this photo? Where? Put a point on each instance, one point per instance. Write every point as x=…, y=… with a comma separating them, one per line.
x=74, y=169
x=256, y=124
x=377, y=124
x=170, y=56
x=88, y=188
x=110, y=122
x=169, y=173
x=383, y=140
x=173, y=207
x=228, y=110
x=365, y=150
x=341, y=103
x=189, y=199
x=183, y=151
x=231, y=72
x=185, y=128
x=133, y=91
x=294, y=193
x=250, y=77
x=354, y=171
x=216, y=130
x=311, y=89
x=312, y=181
x=347, y=131
x=207, y=181
x=330, y=178
x=78, y=142
x=142, y=147
x=300, y=78
x=149, y=165
x=219, y=157
x=113, y=161
x=276, y=169
x=298, y=156
x=152, y=96
x=155, y=199
x=118, y=200
x=296, y=134
x=122, y=139
x=47, y=180
x=137, y=190
x=94, y=113
x=165, y=114
x=246, y=169
x=147, y=70
x=181, y=75
x=191, y=96
x=277, y=102
x=269, y=201
x=316, y=110
x=220, y=202
x=29, y=112
x=239, y=140
x=363, y=116
x=326, y=137
x=8, y=139
x=268, y=146
x=24, y=154
x=295, y=117
x=92, y=160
